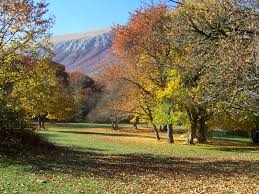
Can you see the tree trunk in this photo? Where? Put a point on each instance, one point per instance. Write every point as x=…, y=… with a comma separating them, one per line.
x=164, y=128
x=156, y=132
x=43, y=123
x=192, y=134
x=39, y=122
x=21, y=125
x=170, y=133
x=202, y=130
x=255, y=132
x=135, y=125
x=115, y=125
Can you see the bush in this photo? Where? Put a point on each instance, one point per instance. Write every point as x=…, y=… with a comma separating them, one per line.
x=22, y=141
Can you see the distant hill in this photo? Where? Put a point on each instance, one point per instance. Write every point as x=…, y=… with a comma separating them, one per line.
x=84, y=51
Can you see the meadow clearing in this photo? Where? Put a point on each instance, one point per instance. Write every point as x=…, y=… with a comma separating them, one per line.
x=92, y=158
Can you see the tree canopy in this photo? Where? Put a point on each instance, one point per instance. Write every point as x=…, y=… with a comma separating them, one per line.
x=190, y=64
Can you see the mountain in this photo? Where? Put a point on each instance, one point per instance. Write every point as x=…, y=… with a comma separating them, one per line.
x=84, y=51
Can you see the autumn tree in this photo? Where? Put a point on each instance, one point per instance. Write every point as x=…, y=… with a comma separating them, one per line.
x=24, y=31
x=169, y=109
x=24, y=28
x=41, y=90
x=220, y=43
x=114, y=104
x=143, y=49
x=196, y=60
x=30, y=84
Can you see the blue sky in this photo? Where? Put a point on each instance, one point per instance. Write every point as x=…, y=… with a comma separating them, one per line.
x=82, y=15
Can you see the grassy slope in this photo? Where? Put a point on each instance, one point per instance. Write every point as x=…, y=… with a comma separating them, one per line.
x=98, y=159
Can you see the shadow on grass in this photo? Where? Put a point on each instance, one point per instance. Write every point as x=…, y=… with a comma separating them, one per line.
x=95, y=162
x=224, y=136
x=232, y=144
x=236, y=149
x=104, y=134
x=81, y=125
x=226, y=139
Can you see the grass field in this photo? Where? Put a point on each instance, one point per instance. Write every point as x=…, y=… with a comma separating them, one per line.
x=92, y=158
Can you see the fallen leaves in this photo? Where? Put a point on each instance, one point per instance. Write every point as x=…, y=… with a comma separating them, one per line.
x=135, y=164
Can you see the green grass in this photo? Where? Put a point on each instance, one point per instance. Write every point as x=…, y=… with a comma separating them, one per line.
x=94, y=159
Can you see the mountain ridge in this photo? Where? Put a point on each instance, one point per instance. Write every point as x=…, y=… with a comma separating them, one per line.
x=83, y=51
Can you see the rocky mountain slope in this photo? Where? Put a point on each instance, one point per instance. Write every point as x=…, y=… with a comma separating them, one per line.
x=84, y=51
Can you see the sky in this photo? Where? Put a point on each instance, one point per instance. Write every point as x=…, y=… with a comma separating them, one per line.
x=84, y=15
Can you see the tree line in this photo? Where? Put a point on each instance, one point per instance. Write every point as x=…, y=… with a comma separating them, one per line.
x=192, y=63
x=31, y=85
